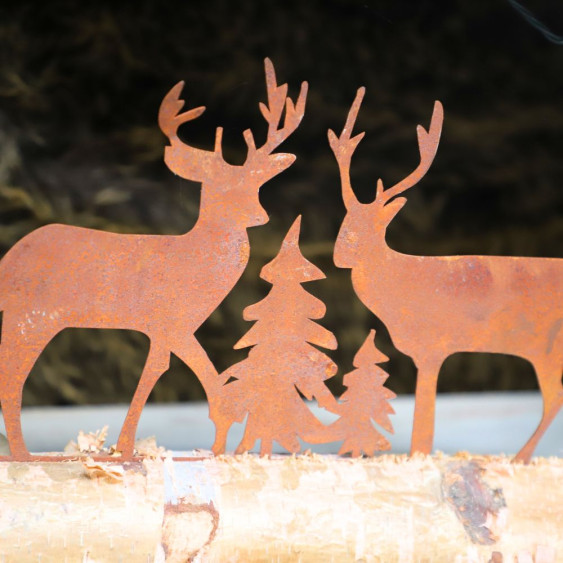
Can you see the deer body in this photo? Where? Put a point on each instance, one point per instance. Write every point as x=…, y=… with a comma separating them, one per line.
x=194, y=273
x=481, y=291
x=435, y=306
x=164, y=286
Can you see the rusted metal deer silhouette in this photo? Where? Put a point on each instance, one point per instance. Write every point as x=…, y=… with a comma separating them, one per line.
x=436, y=306
x=164, y=286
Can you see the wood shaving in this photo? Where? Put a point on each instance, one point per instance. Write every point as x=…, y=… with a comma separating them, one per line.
x=89, y=443
x=109, y=471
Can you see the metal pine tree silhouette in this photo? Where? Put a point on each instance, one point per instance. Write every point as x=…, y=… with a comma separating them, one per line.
x=365, y=400
x=282, y=364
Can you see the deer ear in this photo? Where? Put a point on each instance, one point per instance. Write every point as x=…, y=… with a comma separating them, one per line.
x=394, y=206
x=276, y=164
x=282, y=161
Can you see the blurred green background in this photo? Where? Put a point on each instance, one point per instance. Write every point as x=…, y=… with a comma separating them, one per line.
x=80, y=87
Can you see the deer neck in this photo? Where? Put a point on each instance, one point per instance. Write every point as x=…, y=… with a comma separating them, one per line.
x=221, y=230
x=379, y=252
x=379, y=262
x=379, y=276
x=224, y=228
x=236, y=208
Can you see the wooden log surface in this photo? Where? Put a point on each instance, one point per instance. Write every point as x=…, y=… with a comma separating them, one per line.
x=307, y=508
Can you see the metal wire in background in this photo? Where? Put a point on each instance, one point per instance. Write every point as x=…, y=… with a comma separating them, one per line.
x=534, y=22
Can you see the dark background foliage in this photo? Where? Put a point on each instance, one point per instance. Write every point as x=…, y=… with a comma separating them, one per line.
x=80, y=87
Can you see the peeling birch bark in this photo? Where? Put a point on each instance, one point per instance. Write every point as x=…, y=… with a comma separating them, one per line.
x=307, y=508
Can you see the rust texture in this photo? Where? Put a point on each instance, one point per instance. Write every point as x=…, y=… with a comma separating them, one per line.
x=285, y=363
x=435, y=306
x=474, y=502
x=282, y=361
x=163, y=286
x=365, y=401
x=61, y=276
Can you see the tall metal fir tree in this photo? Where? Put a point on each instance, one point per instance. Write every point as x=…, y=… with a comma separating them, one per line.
x=282, y=364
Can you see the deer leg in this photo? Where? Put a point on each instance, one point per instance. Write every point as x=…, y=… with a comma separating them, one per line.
x=290, y=443
x=192, y=354
x=18, y=354
x=220, y=443
x=552, y=391
x=248, y=438
x=11, y=410
x=158, y=361
x=225, y=409
x=424, y=407
x=266, y=445
x=11, y=401
x=189, y=350
x=222, y=427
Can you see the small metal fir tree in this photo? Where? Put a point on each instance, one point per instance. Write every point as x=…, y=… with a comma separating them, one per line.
x=365, y=400
x=282, y=363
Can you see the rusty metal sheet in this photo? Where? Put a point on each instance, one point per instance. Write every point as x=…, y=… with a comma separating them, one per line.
x=61, y=276
x=285, y=363
x=166, y=286
x=435, y=306
x=282, y=362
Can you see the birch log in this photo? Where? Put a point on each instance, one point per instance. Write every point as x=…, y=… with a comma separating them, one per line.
x=306, y=508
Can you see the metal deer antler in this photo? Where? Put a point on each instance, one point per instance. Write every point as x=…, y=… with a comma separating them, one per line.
x=436, y=306
x=164, y=286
